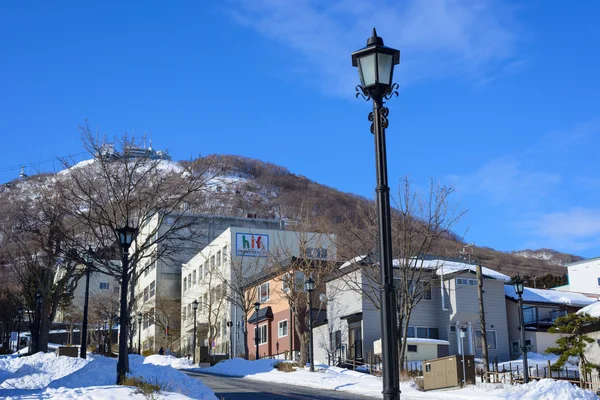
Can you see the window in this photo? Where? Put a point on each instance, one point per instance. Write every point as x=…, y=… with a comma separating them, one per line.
x=212, y=262
x=262, y=334
x=598, y=281
x=411, y=331
x=189, y=280
x=146, y=292
x=452, y=328
x=152, y=289
x=184, y=313
x=184, y=284
x=421, y=332
x=205, y=308
x=263, y=292
x=515, y=347
x=316, y=252
x=336, y=339
x=411, y=348
x=283, y=328
x=103, y=285
x=491, y=339
x=299, y=281
x=224, y=253
x=464, y=281
x=285, y=283
x=434, y=333
x=194, y=277
x=426, y=290
x=427, y=367
x=189, y=310
x=219, y=257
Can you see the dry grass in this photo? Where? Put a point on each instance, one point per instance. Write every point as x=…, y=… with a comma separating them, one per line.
x=148, y=389
x=286, y=366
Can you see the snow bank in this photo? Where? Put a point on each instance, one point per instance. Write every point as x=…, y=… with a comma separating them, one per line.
x=339, y=379
x=178, y=363
x=49, y=376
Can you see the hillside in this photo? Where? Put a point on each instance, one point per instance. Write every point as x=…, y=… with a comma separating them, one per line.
x=247, y=187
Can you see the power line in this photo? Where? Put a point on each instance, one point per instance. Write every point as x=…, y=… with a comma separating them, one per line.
x=32, y=164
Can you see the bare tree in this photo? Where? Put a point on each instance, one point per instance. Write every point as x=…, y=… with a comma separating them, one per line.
x=167, y=316
x=123, y=185
x=420, y=225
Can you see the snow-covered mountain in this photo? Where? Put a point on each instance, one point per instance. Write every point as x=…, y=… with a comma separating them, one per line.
x=551, y=256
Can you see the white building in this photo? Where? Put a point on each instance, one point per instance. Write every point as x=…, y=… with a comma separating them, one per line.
x=158, y=288
x=584, y=277
x=249, y=251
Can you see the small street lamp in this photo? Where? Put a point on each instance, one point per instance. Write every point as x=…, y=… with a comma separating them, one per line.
x=126, y=235
x=88, y=265
x=38, y=303
x=256, y=339
x=375, y=65
x=519, y=289
x=139, y=319
x=195, y=307
x=19, y=317
x=231, y=352
x=309, y=286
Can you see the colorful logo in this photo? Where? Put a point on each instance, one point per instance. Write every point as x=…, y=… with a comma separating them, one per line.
x=251, y=244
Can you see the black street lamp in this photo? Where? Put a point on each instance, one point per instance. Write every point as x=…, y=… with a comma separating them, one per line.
x=519, y=289
x=126, y=236
x=195, y=308
x=309, y=286
x=19, y=317
x=256, y=338
x=88, y=267
x=231, y=352
x=139, y=319
x=38, y=308
x=376, y=69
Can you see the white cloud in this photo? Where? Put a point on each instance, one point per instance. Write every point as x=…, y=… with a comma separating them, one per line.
x=577, y=229
x=437, y=38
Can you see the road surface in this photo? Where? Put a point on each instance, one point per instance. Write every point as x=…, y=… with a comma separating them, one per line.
x=229, y=388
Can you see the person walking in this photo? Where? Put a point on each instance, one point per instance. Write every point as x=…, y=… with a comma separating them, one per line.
x=161, y=351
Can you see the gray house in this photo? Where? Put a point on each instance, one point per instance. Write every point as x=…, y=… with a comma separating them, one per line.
x=447, y=314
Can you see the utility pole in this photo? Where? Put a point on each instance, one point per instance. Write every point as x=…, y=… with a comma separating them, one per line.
x=484, y=347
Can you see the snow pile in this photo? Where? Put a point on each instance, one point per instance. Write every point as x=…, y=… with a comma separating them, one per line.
x=592, y=310
x=177, y=363
x=548, y=389
x=51, y=377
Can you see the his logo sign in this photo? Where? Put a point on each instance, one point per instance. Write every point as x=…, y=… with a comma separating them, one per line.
x=251, y=244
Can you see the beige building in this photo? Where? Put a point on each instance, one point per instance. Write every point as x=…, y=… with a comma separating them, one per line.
x=236, y=255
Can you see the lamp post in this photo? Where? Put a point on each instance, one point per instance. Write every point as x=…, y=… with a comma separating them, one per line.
x=38, y=309
x=256, y=339
x=519, y=289
x=309, y=286
x=84, y=324
x=19, y=317
x=140, y=317
x=126, y=236
x=195, y=307
x=229, y=325
x=375, y=65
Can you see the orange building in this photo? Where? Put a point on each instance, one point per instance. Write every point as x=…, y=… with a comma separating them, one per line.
x=276, y=323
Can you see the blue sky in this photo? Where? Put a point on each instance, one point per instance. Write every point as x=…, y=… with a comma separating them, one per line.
x=499, y=99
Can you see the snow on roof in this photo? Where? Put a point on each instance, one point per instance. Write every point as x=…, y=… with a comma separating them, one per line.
x=592, y=310
x=445, y=267
x=355, y=260
x=549, y=296
x=411, y=340
x=442, y=267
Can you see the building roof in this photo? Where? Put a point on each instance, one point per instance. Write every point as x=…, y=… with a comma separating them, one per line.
x=546, y=296
x=263, y=314
x=582, y=261
x=443, y=267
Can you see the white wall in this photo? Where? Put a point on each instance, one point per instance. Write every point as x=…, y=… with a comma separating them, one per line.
x=584, y=275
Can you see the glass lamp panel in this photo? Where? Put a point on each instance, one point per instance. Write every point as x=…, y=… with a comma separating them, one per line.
x=384, y=68
x=366, y=68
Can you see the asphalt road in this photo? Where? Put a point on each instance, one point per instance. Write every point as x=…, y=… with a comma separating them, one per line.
x=228, y=388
